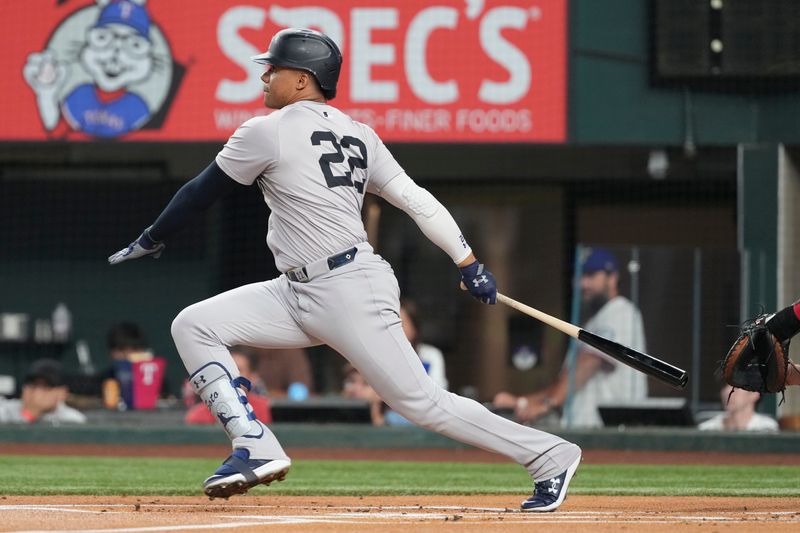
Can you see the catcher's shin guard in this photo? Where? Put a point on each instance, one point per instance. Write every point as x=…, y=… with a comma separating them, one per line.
x=226, y=401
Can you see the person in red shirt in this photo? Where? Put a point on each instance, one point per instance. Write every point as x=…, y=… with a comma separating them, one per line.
x=244, y=358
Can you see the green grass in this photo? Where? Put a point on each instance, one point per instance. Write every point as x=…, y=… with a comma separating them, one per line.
x=46, y=475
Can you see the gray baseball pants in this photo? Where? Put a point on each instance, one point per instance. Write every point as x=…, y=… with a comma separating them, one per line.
x=355, y=310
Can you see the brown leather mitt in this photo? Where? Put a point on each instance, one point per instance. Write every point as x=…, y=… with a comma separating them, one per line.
x=757, y=361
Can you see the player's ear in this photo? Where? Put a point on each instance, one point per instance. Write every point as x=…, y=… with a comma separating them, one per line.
x=303, y=80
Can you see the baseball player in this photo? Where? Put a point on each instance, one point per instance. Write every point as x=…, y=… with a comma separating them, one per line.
x=313, y=165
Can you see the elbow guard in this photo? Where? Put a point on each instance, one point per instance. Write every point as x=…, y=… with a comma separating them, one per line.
x=420, y=201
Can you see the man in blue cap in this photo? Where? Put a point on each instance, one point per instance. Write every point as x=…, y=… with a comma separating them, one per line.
x=599, y=379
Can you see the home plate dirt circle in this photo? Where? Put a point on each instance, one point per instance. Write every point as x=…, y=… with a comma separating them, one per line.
x=394, y=513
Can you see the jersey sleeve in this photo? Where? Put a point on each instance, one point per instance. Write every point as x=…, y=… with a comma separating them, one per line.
x=383, y=168
x=251, y=150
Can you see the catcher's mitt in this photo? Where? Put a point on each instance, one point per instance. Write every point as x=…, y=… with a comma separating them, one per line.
x=757, y=361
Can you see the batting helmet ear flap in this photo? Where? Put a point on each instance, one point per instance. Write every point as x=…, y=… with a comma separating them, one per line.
x=308, y=50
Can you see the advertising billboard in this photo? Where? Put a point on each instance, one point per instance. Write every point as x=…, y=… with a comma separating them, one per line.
x=160, y=70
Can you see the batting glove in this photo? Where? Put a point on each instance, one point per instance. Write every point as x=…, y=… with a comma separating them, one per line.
x=479, y=282
x=141, y=247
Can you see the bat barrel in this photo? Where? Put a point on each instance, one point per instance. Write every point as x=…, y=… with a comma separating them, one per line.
x=665, y=372
x=642, y=362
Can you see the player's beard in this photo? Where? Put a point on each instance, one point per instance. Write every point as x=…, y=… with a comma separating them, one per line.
x=591, y=305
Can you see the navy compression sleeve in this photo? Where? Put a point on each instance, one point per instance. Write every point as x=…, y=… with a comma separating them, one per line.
x=193, y=198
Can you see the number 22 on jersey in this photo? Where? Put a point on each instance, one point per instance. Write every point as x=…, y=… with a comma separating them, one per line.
x=352, y=146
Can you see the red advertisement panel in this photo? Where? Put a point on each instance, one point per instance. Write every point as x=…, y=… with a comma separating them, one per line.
x=417, y=70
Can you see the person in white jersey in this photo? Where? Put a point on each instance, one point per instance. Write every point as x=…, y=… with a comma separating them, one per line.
x=313, y=165
x=599, y=378
x=432, y=357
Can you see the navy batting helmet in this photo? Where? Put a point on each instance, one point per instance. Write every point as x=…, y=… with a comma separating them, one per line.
x=308, y=50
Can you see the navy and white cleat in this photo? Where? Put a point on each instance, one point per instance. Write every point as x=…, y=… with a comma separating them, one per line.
x=239, y=473
x=550, y=493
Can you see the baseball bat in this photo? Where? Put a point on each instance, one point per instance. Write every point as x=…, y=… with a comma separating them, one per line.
x=652, y=366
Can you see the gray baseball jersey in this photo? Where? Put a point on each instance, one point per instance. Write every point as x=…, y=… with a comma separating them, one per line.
x=313, y=164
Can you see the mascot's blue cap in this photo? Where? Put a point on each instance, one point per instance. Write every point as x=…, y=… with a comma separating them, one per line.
x=127, y=13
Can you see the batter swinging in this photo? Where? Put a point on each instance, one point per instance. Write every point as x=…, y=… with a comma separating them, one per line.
x=313, y=165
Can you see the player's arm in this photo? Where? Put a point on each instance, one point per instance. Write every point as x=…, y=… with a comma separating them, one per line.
x=192, y=199
x=438, y=225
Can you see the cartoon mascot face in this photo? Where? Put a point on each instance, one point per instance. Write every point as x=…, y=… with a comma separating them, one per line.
x=118, y=48
x=106, y=70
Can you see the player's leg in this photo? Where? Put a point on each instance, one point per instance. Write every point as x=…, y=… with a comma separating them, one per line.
x=255, y=315
x=356, y=312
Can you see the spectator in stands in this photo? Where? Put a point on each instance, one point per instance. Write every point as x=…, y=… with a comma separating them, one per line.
x=135, y=379
x=431, y=356
x=44, y=393
x=356, y=387
x=127, y=342
x=740, y=413
x=246, y=360
x=598, y=378
x=286, y=373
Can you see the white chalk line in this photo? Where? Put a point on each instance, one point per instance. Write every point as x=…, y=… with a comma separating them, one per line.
x=394, y=514
x=48, y=508
x=283, y=521
x=385, y=510
x=229, y=525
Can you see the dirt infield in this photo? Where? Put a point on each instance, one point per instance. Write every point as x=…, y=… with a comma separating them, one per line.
x=440, y=514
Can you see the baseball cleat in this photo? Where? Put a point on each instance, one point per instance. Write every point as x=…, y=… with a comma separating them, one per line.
x=239, y=473
x=550, y=493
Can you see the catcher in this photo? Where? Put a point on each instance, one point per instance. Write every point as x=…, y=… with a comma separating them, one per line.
x=759, y=359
